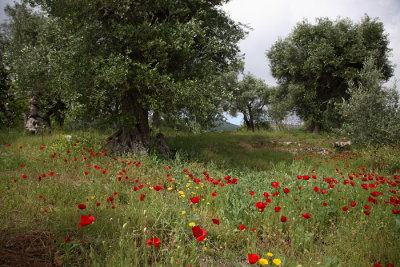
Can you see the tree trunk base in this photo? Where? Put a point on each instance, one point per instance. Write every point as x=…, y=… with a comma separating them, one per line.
x=128, y=140
x=161, y=146
x=34, y=125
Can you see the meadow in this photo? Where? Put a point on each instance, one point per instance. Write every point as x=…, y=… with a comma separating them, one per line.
x=224, y=199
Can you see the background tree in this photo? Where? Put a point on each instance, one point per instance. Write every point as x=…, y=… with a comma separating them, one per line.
x=372, y=113
x=279, y=107
x=314, y=63
x=159, y=56
x=31, y=40
x=250, y=97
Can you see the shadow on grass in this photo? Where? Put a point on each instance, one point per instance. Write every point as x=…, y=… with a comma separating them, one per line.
x=231, y=150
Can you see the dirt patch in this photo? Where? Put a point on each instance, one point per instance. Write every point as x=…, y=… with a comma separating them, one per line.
x=33, y=248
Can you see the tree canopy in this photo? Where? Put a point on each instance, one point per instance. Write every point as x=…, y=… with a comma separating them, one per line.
x=131, y=57
x=315, y=62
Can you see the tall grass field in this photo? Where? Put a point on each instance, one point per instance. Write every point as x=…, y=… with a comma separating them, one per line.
x=224, y=199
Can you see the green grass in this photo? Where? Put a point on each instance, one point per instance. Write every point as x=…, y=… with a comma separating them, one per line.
x=332, y=237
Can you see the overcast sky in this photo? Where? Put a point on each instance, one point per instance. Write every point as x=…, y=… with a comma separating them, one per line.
x=271, y=19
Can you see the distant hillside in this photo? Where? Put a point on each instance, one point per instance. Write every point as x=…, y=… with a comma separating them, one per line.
x=224, y=126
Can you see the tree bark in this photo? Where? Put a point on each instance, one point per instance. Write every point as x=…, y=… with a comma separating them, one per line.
x=251, y=119
x=33, y=122
x=316, y=127
x=246, y=120
x=133, y=135
x=156, y=120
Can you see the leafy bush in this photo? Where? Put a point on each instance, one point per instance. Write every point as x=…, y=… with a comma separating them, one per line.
x=372, y=112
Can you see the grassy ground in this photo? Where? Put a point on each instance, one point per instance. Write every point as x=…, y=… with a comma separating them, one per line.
x=45, y=180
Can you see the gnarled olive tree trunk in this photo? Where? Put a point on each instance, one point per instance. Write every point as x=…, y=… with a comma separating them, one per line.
x=33, y=121
x=133, y=135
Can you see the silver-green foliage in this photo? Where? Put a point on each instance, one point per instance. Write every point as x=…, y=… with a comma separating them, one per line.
x=372, y=112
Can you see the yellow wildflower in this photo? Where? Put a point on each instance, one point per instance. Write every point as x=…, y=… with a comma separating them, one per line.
x=277, y=261
x=169, y=188
x=92, y=197
x=183, y=212
x=263, y=261
x=269, y=254
x=192, y=224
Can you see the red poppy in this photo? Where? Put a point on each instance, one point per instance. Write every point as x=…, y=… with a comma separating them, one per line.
x=82, y=206
x=396, y=211
x=195, y=199
x=199, y=233
x=154, y=241
x=86, y=173
x=278, y=209
x=375, y=194
x=86, y=220
x=367, y=212
x=275, y=184
x=142, y=196
x=215, y=221
x=286, y=190
x=261, y=206
x=253, y=258
x=345, y=208
x=353, y=204
x=22, y=165
x=372, y=200
x=251, y=193
x=214, y=194
x=283, y=219
x=325, y=204
x=242, y=227
x=306, y=215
